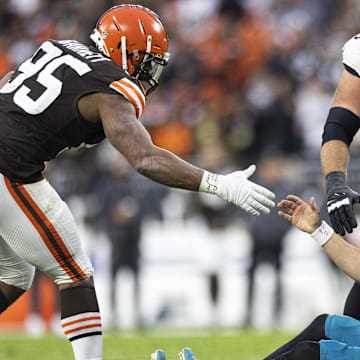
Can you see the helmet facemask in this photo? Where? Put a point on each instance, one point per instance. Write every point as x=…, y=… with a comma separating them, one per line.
x=149, y=69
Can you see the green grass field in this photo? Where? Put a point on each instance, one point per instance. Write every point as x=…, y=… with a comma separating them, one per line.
x=241, y=345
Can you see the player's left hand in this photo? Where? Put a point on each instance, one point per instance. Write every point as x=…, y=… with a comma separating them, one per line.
x=305, y=217
x=340, y=203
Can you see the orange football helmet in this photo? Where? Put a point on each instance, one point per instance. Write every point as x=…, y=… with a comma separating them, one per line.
x=134, y=38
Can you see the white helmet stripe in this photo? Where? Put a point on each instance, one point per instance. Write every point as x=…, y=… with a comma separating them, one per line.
x=148, y=48
x=123, y=53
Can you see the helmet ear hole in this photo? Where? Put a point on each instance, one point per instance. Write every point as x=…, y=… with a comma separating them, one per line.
x=118, y=45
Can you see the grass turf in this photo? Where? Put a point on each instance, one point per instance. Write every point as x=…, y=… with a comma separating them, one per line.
x=244, y=345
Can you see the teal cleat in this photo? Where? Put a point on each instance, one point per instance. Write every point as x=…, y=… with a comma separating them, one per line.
x=158, y=355
x=186, y=354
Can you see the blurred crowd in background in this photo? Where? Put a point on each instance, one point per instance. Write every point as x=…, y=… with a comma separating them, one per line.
x=249, y=81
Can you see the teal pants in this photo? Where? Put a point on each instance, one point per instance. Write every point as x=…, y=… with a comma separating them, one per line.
x=344, y=335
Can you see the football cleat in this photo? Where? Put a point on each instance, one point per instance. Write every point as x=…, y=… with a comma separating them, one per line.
x=135, y=38
x=186, y=354
x=158, y=355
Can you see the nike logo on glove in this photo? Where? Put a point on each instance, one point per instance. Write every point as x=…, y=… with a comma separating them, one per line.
x=332, y=205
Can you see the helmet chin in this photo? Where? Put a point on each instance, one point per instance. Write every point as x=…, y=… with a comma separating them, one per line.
x=149, y=70
x=147, y=66
x=149, y=86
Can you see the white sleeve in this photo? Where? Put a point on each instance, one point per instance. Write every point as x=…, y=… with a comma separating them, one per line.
x=351, y=54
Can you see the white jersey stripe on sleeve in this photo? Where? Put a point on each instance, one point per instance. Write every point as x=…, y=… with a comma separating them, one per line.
x=136, y=88
x=125, y=93
x=134, y=96
x=132, y=93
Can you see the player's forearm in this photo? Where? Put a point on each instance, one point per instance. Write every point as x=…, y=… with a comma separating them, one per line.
x=166, y=168
x=334, y=157
x=344, y=255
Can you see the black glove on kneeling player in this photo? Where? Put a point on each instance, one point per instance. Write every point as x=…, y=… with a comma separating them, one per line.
x=340, y=201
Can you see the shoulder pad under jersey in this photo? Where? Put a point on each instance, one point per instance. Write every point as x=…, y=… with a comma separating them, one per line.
x=351, y=54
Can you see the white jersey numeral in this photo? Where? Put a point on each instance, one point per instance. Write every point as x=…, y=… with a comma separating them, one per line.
x=52, y=60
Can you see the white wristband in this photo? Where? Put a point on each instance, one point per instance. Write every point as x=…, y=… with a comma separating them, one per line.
x=322, y=234
x=209, y=182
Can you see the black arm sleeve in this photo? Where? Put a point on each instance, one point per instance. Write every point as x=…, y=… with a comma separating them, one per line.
x=341, y=124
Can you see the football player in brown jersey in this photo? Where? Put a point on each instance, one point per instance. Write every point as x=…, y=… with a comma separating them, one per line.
x=69, y=95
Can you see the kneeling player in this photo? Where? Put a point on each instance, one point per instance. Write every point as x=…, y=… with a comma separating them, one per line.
x=328, y=337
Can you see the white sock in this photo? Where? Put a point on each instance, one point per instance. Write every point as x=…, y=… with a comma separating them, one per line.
x=85, y=333
x=88, y=348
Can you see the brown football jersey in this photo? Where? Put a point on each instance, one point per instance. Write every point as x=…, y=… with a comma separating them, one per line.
x=39, y=117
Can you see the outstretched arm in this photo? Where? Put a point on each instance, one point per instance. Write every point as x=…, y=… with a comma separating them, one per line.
x=306, y=217
x=131, y=139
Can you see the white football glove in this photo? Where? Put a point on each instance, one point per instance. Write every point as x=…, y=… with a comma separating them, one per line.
x=237, y=189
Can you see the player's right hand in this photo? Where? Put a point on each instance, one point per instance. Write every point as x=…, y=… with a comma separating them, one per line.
x=237, y=189
x=340, y=201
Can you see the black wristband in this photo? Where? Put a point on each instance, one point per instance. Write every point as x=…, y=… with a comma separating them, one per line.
x=341, y=124
x=334, y=179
